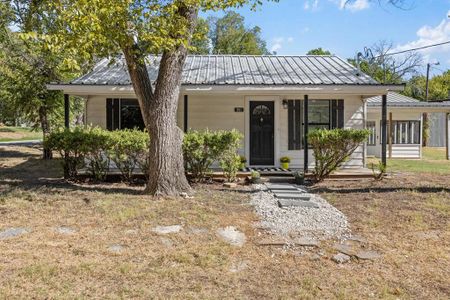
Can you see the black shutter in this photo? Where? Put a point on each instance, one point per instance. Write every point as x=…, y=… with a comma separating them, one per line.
x=290, y=125
x=112, y=113
x=340, y=113
x=294, y=125
x=109, y=113
x=337, y=113
x=116, y=113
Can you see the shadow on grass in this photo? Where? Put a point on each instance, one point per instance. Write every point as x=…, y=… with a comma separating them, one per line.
x=420, y=189
x=35, y=174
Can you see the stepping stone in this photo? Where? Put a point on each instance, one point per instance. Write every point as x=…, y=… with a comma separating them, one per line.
x=116, y=248
x=238, y=266
x=307, y=242
x=283, y=203
x=346, y=249
x=341, y=258
x=368, y=255
x=230, y=185
x=232, y=236
x=167, y=229
x=166, y=242
x=281, y=187
x=299, y=196
x=65, y=230
x=289, y=191
x=12, y=232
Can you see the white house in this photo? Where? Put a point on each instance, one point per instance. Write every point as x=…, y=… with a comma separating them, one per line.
x=272, y=100
x=404, y=124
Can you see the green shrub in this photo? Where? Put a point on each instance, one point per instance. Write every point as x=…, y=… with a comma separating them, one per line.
x=332, y=148
x=97, y=143
x=230, y=163
x=202, y=148
x=71, y=145
x=378, y=170
x=126, y=149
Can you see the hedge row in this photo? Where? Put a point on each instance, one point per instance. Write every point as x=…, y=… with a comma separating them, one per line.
x=94, y=149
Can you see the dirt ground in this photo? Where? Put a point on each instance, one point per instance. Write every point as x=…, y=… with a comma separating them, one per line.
x=406, y=218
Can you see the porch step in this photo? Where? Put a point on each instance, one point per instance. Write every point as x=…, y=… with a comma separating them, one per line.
x=284, y=203
x=284, y=187
x=293, y=196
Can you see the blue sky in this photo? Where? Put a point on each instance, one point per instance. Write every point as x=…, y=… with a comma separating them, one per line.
x=296, y=26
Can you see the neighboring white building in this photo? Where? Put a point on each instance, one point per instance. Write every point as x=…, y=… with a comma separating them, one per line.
x=264, y=97
x=406, y=125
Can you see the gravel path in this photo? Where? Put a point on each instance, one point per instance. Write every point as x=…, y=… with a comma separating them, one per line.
x=319, y=223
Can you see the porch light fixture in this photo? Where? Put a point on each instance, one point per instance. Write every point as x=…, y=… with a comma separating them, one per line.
x=285, y=104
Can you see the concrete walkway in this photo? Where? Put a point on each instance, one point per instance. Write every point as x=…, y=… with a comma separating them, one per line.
x=21, y=143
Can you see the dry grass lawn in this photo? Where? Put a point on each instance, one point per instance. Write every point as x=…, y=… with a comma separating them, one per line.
x=406, y=218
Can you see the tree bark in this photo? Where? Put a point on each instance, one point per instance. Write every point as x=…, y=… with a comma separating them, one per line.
x=159, y=109
x=45, y=126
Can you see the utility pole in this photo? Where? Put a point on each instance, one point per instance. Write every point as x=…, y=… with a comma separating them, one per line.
x=428, y=78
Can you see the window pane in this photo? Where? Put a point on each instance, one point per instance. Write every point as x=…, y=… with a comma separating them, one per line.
x=370, y=125
x=130, y=115
x=319, y=111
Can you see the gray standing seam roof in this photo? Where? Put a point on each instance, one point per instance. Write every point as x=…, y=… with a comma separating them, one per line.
x=240, y=70
x=399, y=100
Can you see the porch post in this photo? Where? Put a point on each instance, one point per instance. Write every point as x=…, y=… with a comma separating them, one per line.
x=383, y=129
x=185, y=115
x=305, y=133
x=66, y=111
x=447, y=135
x=390, y=135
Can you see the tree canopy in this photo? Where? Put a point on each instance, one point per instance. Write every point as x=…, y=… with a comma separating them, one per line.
x=438, y=87
x=318, y=51
x=230, y=35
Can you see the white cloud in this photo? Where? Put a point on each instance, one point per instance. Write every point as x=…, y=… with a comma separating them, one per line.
x=428, y=35
x=311, y=5
x=355, y=5
x=278, y=42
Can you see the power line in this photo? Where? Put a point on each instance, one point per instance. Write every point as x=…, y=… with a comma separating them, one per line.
x=414, y=49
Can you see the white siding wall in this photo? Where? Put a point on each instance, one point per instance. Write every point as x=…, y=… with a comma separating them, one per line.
x=217, y=112
x=398, y=151
x=353, y=118
x=96, y=111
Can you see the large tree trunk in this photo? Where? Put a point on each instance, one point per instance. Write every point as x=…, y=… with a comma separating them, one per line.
x=45, y=126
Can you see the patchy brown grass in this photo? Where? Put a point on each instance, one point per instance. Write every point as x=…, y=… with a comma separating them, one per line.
x=405, y=218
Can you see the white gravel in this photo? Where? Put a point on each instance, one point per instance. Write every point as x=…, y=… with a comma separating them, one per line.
x=324, y=222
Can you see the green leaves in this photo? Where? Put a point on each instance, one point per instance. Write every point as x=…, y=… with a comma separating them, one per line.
x=202, y=148
x=332, y=148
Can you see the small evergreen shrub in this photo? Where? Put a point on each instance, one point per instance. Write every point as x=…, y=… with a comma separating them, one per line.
x=71, y=145
x=230, y=163
x=125, y=150
x=202, y=148
x=333, y=147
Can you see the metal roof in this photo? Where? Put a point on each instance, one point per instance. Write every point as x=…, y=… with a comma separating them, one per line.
x=240, y=70
x=399, y=100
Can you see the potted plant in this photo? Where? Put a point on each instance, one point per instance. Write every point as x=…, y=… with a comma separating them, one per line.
x=243, y=162
x=285, y=162
x=255, y=177
x=299, y=177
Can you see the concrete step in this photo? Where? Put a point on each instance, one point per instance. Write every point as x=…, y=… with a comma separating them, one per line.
x=296, y=196
x=297, y=191
x=287, y=187
x=284, y=203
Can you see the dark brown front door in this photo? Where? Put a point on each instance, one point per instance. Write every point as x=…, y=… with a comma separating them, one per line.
x=261, y=133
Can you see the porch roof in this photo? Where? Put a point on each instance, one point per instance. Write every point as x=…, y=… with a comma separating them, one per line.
x=396, y=100
x=239, y=70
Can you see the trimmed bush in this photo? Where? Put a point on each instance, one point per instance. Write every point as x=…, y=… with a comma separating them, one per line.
x=202, y=148
x=71, y=145
x=230, y=163
x=97, y=142
x=333, y=147
x=126, y=149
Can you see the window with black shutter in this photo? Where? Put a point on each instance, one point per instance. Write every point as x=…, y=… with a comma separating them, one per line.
x=295, y=124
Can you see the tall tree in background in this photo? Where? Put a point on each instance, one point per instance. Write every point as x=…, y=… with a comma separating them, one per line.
x=100, y=28
x=318, y=51
x=439, y=87
x=26, y=67
x=386, y=68
x=229, y=35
